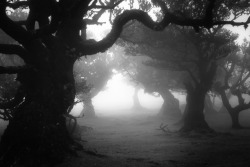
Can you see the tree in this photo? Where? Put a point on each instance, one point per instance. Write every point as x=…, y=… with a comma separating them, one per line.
x=209, y=106
x=154, y=81
x=195, y=54
x=161, y=81
x=236, y=82
x=8, y=85
x=49, y=42
x=96, y=71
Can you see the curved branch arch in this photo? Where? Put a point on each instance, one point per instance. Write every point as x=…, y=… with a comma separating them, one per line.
x=90, y=47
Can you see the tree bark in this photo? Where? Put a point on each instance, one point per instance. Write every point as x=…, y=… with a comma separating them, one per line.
x=233, y=111
x=193, y=117
x=88, y=109
x=170, y=106
x=37, y=134
x=235, y=119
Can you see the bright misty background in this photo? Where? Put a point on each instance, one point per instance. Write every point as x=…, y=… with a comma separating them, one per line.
x=116, y=98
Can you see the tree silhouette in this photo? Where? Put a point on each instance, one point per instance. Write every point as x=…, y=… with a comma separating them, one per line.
x=49, y=41
x=194, y=54
x=235, y=80
x=96, y=71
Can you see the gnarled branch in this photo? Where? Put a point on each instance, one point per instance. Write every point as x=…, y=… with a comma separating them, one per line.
x=89, y=48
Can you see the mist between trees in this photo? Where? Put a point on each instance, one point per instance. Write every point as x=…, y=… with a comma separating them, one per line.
x=48, y=64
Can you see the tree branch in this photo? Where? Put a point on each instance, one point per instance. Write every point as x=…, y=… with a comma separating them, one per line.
x=14, y=30
x=240, y=98
x=191, y=75
x=233, y=23
x=12, y=69
x=90, y=47
x=14, y=49
x=111, y=6
x=244, y=79
x=18, y=4
x=161, y=4
x=225, y=100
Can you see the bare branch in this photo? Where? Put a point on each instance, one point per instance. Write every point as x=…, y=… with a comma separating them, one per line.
x=95, y=18
x=111, y=6
x=233, y=23
x=164, y=128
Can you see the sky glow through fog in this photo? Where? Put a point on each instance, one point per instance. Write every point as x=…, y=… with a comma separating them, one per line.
x=117, y=98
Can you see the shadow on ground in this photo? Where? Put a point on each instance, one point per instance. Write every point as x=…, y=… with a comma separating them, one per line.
x=137, y=141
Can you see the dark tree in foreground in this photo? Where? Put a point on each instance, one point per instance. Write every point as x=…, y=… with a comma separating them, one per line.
x=235, y=81
x=37, y=132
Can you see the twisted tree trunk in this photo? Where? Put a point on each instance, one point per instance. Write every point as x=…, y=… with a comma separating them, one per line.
x=37, y=132
x=235, y=119
x=193, y=117
x=170, y=107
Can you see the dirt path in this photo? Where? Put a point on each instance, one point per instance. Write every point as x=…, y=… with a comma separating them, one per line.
x=136, y=142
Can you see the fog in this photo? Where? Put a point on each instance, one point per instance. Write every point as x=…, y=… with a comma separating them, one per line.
x=122, y=132
x=117, y=100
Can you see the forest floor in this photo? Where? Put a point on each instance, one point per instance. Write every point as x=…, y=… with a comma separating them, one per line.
x=136, y=141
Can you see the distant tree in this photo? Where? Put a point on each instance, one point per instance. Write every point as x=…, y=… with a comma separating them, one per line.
x=193, y=54
x=236, y=81
x=209, y=105
x=154, y=81
x=50, y=40
x=96, y=71
x=161, y=81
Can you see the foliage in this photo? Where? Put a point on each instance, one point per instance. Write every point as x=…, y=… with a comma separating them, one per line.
x=50, y=40
x=180, y=49
x=98, y=69
x=234, y=79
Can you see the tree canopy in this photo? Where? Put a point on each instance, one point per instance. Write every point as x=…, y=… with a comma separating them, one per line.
x=49, y=36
